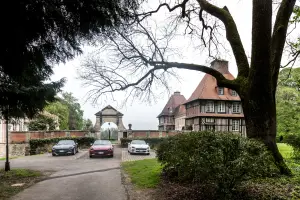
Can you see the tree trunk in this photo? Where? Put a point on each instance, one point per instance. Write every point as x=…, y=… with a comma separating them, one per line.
x=260, y=117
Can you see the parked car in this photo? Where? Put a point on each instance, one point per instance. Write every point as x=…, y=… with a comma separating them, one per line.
x=138, y=147
x=101, y=148
x=64, y=147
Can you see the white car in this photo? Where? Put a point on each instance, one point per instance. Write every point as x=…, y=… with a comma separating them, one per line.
x=138, y=147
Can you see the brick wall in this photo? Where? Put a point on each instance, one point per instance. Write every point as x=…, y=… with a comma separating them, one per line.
x=25, y=136
x=152, y=133
x=17, y=138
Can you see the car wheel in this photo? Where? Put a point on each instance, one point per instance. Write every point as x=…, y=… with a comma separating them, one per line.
x=74, y=151
x=91, y=156
x=53, y=154
x=148, y=154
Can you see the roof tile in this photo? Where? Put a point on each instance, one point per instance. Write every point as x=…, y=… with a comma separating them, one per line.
x=175, y=100
x=207, y=88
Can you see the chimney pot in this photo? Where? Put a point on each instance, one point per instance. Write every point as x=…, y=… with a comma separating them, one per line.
x=177, y=93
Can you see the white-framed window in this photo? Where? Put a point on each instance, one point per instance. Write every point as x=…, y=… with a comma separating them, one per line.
x=221, y=106
x=233, y=93
x=210, y=120
x=220, y=91
x=210, y=107
x=235, y=125
x=236, y=108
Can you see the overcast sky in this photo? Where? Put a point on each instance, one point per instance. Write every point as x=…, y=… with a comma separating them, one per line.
x=140, y=114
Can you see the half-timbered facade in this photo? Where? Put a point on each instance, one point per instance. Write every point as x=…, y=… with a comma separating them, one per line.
x=215, y=108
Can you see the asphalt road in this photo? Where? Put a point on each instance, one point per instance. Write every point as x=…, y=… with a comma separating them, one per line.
x=75, y=177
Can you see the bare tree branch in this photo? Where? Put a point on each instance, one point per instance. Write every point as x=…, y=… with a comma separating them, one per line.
x=232, y=35
x=137, y=56
x=181, y=5
x=222, y=81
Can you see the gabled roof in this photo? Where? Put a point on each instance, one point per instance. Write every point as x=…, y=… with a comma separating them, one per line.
x=207, y=88
x=108, y=107
x=175, y=100
x=180, y=110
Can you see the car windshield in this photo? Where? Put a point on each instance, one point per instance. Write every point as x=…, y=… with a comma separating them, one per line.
x=102, y=142
x=65, y=142
x=138, y=142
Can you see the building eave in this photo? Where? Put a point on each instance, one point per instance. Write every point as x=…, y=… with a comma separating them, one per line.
x=214, y=115
x=228, y=100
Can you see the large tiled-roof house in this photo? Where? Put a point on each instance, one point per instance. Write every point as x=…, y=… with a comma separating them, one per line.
x=215, y=108
x=211, y=107
x=174, y=106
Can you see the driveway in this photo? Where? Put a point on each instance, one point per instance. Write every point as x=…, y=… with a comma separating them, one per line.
x=76, y=177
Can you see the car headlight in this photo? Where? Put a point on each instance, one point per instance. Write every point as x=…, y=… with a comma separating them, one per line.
x=53, y=148
x=71, y=147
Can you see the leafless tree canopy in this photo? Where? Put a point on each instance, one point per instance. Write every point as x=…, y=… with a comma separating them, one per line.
x=139, y=57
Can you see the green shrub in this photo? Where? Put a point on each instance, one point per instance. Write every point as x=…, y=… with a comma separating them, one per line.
x=294, y=141
x=153, y=142
x=44, y=144
x=220, y=159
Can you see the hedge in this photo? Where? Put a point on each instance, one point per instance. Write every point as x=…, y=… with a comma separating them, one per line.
x=153, y=142
x=41, y=143
x=219, y=161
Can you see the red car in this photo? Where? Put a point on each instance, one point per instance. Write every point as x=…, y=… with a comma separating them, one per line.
x=101, y=148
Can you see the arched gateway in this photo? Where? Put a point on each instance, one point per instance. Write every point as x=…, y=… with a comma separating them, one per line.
x=110, y=114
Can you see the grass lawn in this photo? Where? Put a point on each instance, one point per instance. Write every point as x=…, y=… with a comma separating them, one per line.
x=285, y=150
x=143, y=173
x=7, y=179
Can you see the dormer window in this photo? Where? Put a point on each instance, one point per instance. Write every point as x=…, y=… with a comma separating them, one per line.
x=233, y=93
x=170, y=110
x=220, y=91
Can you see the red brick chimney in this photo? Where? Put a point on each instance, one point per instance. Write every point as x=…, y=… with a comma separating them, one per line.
x=220, y=65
